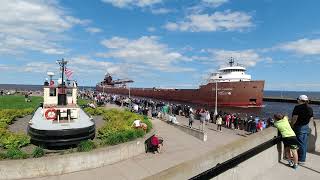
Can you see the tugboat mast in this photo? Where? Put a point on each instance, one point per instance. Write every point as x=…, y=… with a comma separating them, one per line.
x=62, y=64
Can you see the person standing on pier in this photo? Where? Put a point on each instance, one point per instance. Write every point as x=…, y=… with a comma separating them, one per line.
x=219, y=123
x=301, y=116
x=203, y=115
x=191, y=119
x=289, y=139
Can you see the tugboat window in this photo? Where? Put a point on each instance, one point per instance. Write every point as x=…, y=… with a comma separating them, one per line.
x=69, y=92
x=53, y=92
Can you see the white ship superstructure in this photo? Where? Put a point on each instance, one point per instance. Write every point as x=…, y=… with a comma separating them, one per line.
x=230, y=74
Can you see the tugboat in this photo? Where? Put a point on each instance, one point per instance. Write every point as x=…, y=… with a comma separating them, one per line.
x=59, y=121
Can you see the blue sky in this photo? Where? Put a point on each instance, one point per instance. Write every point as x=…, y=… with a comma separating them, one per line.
x=161, y=43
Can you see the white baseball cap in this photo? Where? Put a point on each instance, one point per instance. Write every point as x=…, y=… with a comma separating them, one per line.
x=303, y=98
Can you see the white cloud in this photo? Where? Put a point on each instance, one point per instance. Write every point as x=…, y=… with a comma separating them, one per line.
x=132, y=3
x=38, y=67
x=4, y=67
x=33, y=25
x=93, y=30
x=81, y=65
x=302, y=46
x=161, y=11
x=205, y=5
x=215, y=3
x=145, y=51
x=227, y=20
x=172, y=26
x=151, y=29
x=84, y=64
x=245, y=57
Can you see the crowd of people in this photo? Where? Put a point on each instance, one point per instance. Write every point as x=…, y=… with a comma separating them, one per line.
x=169, y=111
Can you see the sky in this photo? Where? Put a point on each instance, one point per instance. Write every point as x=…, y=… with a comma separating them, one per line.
x=161, y=43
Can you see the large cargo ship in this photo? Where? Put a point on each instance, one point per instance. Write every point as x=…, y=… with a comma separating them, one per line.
x=230, y=85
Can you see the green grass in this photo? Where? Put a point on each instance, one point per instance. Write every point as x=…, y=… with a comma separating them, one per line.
x=18, y=102
x=16, y=153
x=38, y=152
x=83, y=101
x=85, y=146
x=12, y=107
x=118, y=125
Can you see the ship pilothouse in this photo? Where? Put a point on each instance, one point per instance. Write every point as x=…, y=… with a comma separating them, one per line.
x=59, y=120
x=231, y=73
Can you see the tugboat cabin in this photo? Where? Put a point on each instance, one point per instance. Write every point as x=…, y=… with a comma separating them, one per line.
x=60, y=102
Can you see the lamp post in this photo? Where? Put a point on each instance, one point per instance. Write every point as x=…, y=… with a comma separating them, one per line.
x=129, y=91
x=216, y=103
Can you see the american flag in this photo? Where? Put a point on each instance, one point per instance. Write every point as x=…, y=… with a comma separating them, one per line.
x=68, y=73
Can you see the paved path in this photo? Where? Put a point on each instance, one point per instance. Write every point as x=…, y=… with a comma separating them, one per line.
x=309, y=171
x=178, y=147
x=20, y=125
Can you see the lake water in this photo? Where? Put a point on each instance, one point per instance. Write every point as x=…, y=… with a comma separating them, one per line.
x=271, y=108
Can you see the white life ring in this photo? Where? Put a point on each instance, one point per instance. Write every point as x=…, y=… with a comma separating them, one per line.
x=51, y=114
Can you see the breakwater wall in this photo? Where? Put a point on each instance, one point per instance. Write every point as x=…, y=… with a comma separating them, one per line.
x=287, y=100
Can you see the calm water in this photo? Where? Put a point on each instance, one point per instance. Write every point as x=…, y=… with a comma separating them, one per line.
x=271, y=108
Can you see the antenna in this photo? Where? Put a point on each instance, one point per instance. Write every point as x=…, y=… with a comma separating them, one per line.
x=231, y=61
x=62, y=64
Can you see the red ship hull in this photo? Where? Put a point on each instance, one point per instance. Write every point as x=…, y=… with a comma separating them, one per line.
x=230, y=94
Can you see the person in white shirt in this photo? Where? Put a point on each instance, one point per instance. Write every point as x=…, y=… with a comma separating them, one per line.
x=136, y=123
x=207, y=116
x=136, y=107
x=174, y=119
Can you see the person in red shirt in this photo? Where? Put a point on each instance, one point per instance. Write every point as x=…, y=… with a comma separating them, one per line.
x=156, y=143
x=260, y=125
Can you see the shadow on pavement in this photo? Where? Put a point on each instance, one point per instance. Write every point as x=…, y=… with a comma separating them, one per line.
x=302, y=166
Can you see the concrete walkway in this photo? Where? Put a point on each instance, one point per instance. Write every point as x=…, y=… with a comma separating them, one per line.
x=309, y=171
x=178, y=147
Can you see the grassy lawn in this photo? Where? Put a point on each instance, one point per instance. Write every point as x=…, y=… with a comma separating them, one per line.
x=18, y=102
x=118, y=125
x=83, y=101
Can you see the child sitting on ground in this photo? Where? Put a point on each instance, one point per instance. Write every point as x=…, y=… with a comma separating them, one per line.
x=289, y=139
